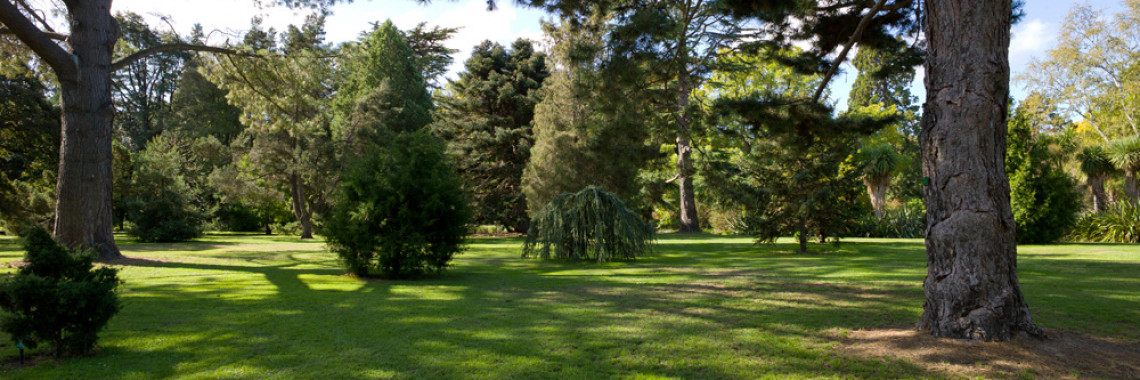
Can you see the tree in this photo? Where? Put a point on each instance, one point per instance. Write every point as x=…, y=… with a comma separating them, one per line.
x=971, y=285
x=29, y=152
x=284, y=95
x=200, y=108
x=580, y=139
x=879, y=164
x=432, y=57
x=83, y=69
x=487, y=119
x=144, y=88
x=588, y=225
x=1125, y=154
x=1043, y=198
x=1096, y=166
x=381, y=70
x=1091, y=73
x=163, y=206
x=402, y=209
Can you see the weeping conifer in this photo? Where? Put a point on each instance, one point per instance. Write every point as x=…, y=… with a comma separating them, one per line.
x=590, y=225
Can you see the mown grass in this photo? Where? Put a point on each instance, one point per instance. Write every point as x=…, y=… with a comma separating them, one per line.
x=231, y=306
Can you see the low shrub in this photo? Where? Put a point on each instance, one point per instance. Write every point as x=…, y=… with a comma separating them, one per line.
x=592, y=225
x=903, y=222
x=1119, y=223
x=58, y=297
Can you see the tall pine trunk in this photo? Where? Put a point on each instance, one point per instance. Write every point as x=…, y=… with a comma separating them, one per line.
x=83, y=191
x=689, y=220
x=971, y=285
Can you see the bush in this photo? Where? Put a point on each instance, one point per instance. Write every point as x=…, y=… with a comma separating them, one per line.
x=162, y=203
x=57, y=297
x=1120, y=223
x=402, y=210
x=904, y=222
x=1044, y=199
x=591, y=224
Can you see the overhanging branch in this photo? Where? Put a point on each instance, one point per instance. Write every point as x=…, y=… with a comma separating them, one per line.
x=847, y=48
x=51, y=35
x=139, y=55
x=39, y=41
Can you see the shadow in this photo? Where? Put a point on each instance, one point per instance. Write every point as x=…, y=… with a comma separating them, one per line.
x=702, y=307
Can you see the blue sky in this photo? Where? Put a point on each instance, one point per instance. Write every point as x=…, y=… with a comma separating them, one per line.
x=1031, y=38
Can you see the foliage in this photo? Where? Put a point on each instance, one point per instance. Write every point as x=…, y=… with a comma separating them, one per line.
x=29, y=153
x=1125, y=153
x=1044, y=199
x=487, y=119
x=200, y=108
x=1119, y=223
x=381, y=83
x=582, y=135
x=1091, y=73
x=144, y=89
x=902, y=222
x=1095, y=162
x=58, y=297
x=284, y=97
x=163, y=206
x=431, y=56
x=402, y=210
x=590, y=225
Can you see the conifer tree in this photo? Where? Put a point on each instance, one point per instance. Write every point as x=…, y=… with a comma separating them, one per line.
x=487, y=119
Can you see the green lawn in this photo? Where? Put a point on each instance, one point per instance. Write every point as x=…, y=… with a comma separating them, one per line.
x=231, y=306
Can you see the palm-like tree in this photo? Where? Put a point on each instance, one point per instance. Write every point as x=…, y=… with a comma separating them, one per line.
x=1097, y=167
x=880, y=162
x=1125, y=154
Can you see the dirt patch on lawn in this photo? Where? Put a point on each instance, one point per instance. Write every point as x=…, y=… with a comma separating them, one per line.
x=1063, y=356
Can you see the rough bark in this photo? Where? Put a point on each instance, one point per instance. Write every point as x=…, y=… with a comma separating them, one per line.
x=803, y=235
x=877, y=191
x=971, y=285
x=1131, y=185
x=300, y=211
x=1096, y=184
x=689, y=221
x=83, y=192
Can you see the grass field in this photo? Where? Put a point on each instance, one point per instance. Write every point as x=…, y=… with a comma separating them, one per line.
x=230, y=306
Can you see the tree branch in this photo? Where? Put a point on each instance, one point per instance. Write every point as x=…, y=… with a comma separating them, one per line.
x=847, y=48
x=62, y=62
x=52, y=35
x=139, y=55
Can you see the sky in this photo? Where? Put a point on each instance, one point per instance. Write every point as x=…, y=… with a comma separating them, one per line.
x=1032, y=37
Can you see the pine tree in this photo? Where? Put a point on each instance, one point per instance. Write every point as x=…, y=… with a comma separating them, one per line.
x=487, y=119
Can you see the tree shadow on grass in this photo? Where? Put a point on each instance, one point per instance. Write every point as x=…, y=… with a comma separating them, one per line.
x=742, y=314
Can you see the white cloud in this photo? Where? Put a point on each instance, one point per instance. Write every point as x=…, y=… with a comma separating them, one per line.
x=1030, y=37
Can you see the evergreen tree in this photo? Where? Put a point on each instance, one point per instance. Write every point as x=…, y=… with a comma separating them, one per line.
x=143, y=90
x=580, y=140
x=1043, y=198
x=381, y=84
x=200, y=108
x=163, y=205
x=284, y=98
x=487, y=119
x=431, y=56
x=29, y=153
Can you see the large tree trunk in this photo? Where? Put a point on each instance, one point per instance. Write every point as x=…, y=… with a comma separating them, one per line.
x=971, y=284
x=83, y=193
x=300, y=211
x=877, y=191
x=1096, y=184
x=689, y=220
x=1131, y=185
